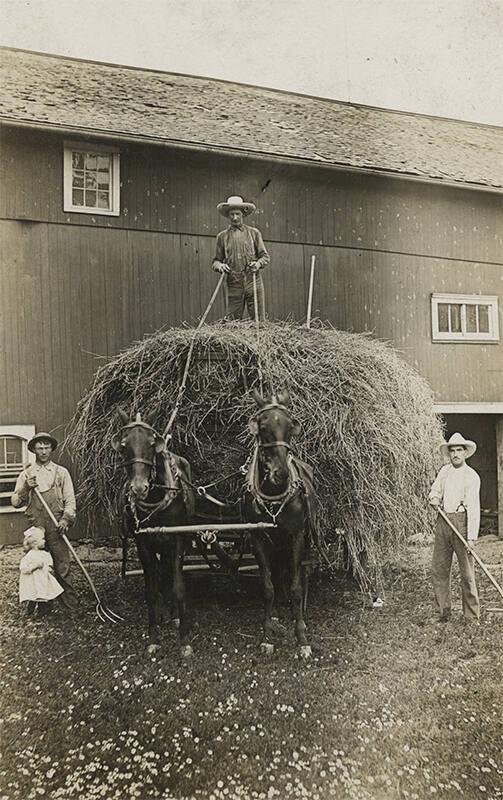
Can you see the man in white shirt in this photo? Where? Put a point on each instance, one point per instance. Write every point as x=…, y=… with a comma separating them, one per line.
x=55, y=484
x=456, y=490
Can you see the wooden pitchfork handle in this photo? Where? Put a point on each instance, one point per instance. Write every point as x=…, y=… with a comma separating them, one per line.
x=472, y=552
x=69, y=545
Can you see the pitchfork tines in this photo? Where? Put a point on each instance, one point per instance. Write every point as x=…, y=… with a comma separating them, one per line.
x=104, y=613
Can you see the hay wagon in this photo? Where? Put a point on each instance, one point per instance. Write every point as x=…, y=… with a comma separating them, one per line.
x=367, y=427
x=220, y=541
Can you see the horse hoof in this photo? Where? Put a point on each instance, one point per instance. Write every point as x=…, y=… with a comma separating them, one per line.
x=305, y=651
x=153, y=648
x=176, y=622
x=267, y=648
x=187, y=651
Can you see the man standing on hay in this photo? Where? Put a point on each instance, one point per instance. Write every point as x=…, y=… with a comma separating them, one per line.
x=55, y=485
x=456, y=490
x=241, y=254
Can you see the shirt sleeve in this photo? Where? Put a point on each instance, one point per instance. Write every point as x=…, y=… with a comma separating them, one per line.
x=21, y=491
x=437, y=489
x=263, y=258
x=473, y=507
x=219, y=252
x=69, y=503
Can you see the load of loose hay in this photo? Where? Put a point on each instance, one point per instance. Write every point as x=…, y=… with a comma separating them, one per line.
x=368, y=426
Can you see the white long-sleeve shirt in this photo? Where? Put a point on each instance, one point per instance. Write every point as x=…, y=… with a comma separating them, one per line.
x=456, y=487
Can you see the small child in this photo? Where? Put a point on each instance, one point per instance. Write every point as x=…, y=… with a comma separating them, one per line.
x=37, y=584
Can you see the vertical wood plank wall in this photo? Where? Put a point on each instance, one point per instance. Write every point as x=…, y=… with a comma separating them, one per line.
x=75, y=289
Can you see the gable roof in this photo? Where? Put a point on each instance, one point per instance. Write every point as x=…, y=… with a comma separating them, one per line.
x=106, y=99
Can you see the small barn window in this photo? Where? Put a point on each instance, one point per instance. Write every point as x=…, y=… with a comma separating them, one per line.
x=464, y=318
x=91, y=179
x=14, y=456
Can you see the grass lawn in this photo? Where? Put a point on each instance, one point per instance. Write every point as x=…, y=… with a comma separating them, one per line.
x=391, y=705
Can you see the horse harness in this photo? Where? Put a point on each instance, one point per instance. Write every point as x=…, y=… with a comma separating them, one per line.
x=172, y=488
x=273, y=505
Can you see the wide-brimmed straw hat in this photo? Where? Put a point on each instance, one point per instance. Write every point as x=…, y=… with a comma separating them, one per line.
x=457, y=440
x=42, y=437
x=236, y=202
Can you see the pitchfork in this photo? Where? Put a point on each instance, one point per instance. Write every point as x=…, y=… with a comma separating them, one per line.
x=104, y=613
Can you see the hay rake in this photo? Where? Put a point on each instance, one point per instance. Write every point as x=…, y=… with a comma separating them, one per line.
x=104, y=613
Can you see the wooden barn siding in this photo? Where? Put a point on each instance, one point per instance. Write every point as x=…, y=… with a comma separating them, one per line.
x=176, y=191
x=71, y=295
x=390, y=296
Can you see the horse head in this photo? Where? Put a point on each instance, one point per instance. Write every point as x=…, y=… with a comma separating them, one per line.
x=139, y=443
x=273, y=428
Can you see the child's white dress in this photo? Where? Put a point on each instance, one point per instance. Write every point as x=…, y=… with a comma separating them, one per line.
x=36, y=582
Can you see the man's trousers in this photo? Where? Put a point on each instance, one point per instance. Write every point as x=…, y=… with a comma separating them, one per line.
x=447, y=543
x=240, y=294
x=61, y=557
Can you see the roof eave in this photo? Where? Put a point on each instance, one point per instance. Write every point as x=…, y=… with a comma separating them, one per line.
x=242, y=153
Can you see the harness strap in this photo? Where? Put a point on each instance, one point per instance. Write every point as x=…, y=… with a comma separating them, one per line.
x=201, y=490
x=138, y=461
x=274, y=444
x=171, y=489
x=268, y=406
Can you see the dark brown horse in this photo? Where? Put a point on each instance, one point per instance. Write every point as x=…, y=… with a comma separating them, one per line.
x=157, y=493
x=280, y=489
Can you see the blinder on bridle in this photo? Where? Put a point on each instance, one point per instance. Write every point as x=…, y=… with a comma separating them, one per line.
x=255, y=418
x=118, y=441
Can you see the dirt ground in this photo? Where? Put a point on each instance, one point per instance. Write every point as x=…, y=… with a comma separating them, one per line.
x=392, y=704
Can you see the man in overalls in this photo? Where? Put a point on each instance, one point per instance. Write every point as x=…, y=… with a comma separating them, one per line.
x=241, y=254
x=456, y=490
x=55, y=485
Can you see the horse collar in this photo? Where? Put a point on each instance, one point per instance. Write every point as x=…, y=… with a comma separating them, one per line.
x=276, y=498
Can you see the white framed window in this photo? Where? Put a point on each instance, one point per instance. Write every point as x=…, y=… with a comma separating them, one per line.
x=464, y=318
x=91, y=175
x=14, y=456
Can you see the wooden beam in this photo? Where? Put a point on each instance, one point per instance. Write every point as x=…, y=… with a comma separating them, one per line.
x=499, y=460
x=469, y=408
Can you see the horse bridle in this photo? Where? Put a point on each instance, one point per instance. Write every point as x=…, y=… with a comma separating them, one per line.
x=170, y=491
x=137, y=461
x=279, y=442
x=140, y=424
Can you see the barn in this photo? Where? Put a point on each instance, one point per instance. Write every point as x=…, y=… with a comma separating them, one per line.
x=110, y=178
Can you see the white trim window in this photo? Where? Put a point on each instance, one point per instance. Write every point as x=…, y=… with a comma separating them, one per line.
x=464, y=318
x=91, y=178
x=14, y=456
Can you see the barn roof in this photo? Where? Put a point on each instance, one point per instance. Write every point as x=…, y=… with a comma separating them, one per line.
x=106, y=99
